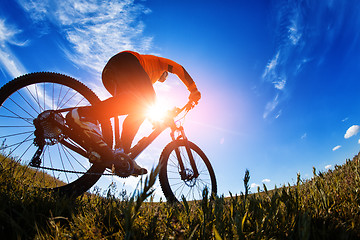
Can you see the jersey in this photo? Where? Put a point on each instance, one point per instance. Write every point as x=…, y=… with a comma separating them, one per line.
x=155, y=66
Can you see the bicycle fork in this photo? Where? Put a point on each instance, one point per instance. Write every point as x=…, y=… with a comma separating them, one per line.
x=185, y=175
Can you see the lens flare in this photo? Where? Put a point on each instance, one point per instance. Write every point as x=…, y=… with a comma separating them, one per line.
x=157, y=113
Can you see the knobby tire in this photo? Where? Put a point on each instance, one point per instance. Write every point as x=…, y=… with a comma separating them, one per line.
x=172, y=185
x=27, y=95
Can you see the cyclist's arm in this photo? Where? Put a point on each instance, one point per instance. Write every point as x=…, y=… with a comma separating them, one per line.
x=185, y=77
x=180, y=71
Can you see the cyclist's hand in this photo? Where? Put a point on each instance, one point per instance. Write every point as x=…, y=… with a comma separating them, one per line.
x=195, y=96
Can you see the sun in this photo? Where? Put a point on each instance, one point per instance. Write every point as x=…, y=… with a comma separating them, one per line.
x=157, y=112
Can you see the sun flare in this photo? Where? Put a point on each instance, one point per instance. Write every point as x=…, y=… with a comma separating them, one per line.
x=157, y=112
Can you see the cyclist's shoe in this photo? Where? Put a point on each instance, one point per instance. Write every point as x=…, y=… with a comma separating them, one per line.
x=88, y=126
x=124, y=166
x=138, y=170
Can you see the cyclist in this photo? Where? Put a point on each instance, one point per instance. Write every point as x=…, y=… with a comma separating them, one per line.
x=129, y=77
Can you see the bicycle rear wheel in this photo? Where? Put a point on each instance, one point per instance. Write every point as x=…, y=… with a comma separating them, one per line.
x=176, y=183
x=59, y=168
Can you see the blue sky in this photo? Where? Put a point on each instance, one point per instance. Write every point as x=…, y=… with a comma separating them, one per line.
x=279, y=79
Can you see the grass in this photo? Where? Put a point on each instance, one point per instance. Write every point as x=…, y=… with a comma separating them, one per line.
x=324, y=207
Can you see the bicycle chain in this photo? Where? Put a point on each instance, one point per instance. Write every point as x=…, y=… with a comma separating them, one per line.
x=76, y=172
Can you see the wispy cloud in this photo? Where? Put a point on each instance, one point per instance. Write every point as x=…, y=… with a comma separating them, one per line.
x=7, y=33
x=328, y=166
x=280, y=83
x=301, y=38
x=352, y=131
x=304, y=136
x=270, y=106
x=336, y=147
x=254, y=185
x=95, y=29
x=266, y=180
x=289, y=33
x=8, y=61
x=270, y=68
x=278, y=114
x=295, y=31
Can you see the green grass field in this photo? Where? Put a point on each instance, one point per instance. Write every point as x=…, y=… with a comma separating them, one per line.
x=324, y=207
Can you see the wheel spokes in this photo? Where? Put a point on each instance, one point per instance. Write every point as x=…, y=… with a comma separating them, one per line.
x=191, y=188
x=17, y=113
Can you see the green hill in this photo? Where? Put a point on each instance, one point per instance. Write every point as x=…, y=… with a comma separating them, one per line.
x=324, y=207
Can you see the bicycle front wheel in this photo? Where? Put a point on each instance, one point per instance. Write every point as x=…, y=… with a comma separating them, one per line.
x=177, y=181
x=58, y=167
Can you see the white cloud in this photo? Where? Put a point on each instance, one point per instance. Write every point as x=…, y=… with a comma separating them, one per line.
x=12, y=65
x=336, y=148
x=271, y=66
x=38, y=10
x=266, y=180
x=8, y=36
x=272, y=75
x=254, y=185
x=7, y=33
x=300, y=65
x=270, y=106
x=352, y=131
x=280, y=84
x=96, y=30
x=294, y=31
x=296, y=36
x=278, y=114
x=328, y=166
x=304, y=136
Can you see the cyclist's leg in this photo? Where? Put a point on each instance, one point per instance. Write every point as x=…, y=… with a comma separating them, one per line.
x=144, y=96
x=132, y=91
x=130, y=127
x=128, y=83
x=84, y=119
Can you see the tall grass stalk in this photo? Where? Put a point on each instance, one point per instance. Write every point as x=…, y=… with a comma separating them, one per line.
x=327, y=206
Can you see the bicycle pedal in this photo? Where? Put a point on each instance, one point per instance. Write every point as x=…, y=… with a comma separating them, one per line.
x=121, y=172
x=122, y=165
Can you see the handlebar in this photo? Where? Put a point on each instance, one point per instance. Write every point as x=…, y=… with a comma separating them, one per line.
x=187, y=107
x=168, y=118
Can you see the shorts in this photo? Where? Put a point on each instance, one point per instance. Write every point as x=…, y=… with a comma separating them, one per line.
x=124, y=76
x=124, y=73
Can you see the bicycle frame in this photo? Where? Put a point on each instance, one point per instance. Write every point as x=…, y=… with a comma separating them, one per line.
x=46, y=149
x=147, y=140
x=143, y=143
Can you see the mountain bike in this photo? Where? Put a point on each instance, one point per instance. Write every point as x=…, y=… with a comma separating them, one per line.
x=43, y=151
